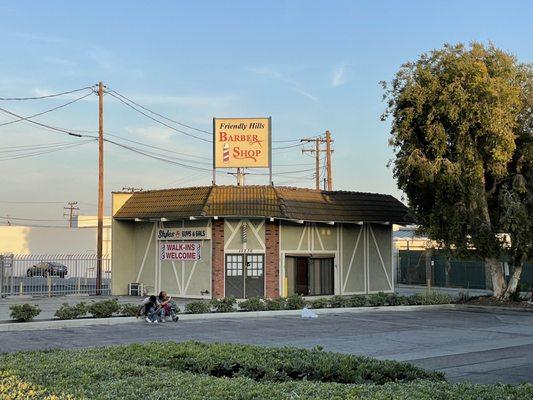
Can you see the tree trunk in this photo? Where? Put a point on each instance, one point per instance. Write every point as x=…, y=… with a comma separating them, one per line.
x=429, y=274
x=496, y=274
x=513, y=282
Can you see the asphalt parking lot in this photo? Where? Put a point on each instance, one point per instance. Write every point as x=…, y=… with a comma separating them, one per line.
x=468, y=345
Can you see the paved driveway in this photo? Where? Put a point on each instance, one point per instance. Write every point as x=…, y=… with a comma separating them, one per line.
x=468, y=345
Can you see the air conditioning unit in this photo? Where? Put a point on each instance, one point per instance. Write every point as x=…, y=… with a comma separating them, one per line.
x=135, y=289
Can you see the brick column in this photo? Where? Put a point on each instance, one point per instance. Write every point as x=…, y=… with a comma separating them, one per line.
x=217, y=258
x=272, y=264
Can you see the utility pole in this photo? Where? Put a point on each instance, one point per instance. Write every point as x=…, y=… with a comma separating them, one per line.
x=240, y=174
x=317, y=150
x=72, y=206
x=328, y=160
x=99, y=238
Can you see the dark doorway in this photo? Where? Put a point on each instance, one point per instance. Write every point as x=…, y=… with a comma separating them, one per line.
x=310, y=276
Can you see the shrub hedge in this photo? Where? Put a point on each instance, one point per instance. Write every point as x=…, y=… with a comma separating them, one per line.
x=321, y=302
x=24, y=312
x=67, y=311
x=295, y=301
x=284, y=364
x=276, y=304
x=108, y=308
x=198, y=307
x=129, y=310
x=104, y=308
x=227, y=304
x=252, y=304
x=148, y=372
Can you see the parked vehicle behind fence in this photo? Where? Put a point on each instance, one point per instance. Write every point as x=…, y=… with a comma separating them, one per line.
x=48, y=268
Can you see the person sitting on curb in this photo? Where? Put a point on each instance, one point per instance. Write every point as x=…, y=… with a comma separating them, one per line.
x=164, y=302
x=152, y=310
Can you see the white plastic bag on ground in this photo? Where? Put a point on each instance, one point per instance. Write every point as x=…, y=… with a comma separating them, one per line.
x=307, y=313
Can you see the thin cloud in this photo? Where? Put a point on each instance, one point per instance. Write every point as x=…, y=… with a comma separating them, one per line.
x=278, y=76
x=339, y=76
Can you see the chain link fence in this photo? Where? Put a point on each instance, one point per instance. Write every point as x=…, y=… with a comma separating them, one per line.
x=52, y=275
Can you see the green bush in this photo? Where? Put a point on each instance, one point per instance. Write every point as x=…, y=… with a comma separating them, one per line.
x=127, y=373
x=339, y=301
x=129, y=310
x=357, y=300
x=320, y=303
x=279, y=303
x=430, y=299
x=104, y=308
x=377, y=299
x=295, y=302
x=226, y=304
x=66, y=311
x=24, y=312
x=252, y=304
x=394, y=299
x=198, y=307
x=287, y=363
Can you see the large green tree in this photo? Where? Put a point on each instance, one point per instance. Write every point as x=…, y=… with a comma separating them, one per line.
x=461, y=133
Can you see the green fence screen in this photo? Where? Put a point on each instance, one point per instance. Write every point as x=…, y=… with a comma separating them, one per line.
x=459, y=273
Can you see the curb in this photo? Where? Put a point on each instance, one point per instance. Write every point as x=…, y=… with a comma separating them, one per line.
x=76, y=323
x=493, y=309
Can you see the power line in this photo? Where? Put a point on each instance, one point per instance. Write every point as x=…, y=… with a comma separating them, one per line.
x=111, y=92
x=159, y=115
x=7, y=149
x=57, y=129
x=47, y=111
x=160, y=156
x=158, y=148
x=288, y=147
x=30, y=148
x=46, y=96
x=8, y=217
x=46, y=151
x=156, y=157
x=157, y=120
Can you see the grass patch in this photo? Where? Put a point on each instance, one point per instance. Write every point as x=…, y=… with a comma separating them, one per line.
x=154, y=372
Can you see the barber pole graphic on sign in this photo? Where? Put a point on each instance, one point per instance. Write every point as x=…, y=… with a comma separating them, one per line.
x=226, y=153
x=180, y=251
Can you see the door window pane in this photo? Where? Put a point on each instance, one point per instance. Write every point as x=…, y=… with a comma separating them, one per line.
x=234, y=265
x=254, y=264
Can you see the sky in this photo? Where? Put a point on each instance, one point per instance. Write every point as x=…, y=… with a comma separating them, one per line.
x=311, y=66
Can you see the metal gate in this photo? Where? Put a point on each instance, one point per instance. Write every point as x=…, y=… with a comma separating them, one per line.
x=245, y=275
x=52, y=275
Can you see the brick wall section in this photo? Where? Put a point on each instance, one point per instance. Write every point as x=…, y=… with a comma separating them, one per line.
x=272, y=259
x=217, y=254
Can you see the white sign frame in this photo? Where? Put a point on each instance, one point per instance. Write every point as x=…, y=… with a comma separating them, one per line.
x=176, y=248
x=192, y=233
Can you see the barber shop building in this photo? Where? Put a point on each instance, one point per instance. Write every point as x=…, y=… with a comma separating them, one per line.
x=246, y=241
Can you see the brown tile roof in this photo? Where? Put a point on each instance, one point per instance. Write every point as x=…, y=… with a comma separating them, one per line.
x=265, y=201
